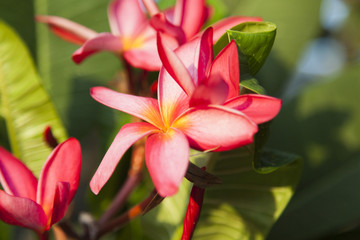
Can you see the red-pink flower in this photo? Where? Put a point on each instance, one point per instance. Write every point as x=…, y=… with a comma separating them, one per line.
x=38, y=204
x=188, y=113
x=132, y=33
x=209, y=81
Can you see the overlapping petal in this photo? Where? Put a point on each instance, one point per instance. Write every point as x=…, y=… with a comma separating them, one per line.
x=213, y=91
x=166, y=155
x=67, y=30
x=12, y=169
x=175, y=67
x=161, y=24
x=127, y=136
x=102, y=42
x=216, y=127
x=22, y=212
x=56, y=169
x=205, y=56
x=141, y=107
x=61, y=201
x=259, y=108
x=126, y=18
x=190, y=15
x=226, y=66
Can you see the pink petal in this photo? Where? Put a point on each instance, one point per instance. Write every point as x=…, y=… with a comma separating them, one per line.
x=151, y=7
x=144, y=55
x=221, y=26
x=205, y=56
x=141, y=107
x=175, y=67
x=172, y=99
x=15, y=178
x=166, y=156
x=101, y=42
x=126, y=18
x=226, y=66
x=259, y=108
x=214, y=91
x=127, y=136
x=216, y=128
x=22, y=212
x=61, y=201
x=161, y=24
x=190, y=15
x=63, y=165
x=67, y=30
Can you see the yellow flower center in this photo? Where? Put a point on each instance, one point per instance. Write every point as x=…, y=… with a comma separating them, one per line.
x=130, y=43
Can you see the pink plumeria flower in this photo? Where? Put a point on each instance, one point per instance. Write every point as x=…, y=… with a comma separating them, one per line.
x=208, y=81
x=132, y=33
x=184, y=116
x=38, y=204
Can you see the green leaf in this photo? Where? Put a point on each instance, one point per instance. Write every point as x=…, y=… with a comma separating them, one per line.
x=25, y=105
x=251, y=85
x=297, y=23
x=246, y=204
x=322, y=125
x=271, y=159
x=254, y=41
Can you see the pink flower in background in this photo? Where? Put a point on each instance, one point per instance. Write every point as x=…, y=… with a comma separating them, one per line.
x=38, y=204
x=132, y=33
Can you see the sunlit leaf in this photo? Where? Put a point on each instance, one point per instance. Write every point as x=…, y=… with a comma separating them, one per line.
x=25, y=105
x=251, y=85
x=323, y=124
x=254, y=41
x=246, y=204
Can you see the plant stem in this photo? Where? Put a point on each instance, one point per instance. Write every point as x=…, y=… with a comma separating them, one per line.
x=134, y=176
x=146, y=205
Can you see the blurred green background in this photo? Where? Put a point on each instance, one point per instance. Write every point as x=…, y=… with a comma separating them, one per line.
x=314, y=66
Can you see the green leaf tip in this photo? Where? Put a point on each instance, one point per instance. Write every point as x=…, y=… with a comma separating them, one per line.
x=254, y=41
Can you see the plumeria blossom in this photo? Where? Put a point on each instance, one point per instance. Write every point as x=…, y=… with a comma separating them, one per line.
x=208, y=81
x=38, y=204
x=133, y=34
x=198, y=108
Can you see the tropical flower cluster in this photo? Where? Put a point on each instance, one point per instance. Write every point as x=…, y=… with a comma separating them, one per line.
x=197, y=106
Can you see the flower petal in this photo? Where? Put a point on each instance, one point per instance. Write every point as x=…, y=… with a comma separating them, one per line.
x=172, y=99
x=141, y=107
x=205, y=56
x=216, y=127
x=151, y=7
x=126, y=18
x=160, y=23
x=213, y=91
x=22, y=212
x=226, y=66
x=175, y=67
x=15, y=178
x=63, y=165
x=127, y=135
x=101, y=42
x=190, y=15
x=61, y=201
x=221, y=26
x=144, y=54
x=259, y=108
x=67, y=30
x=167, y=157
